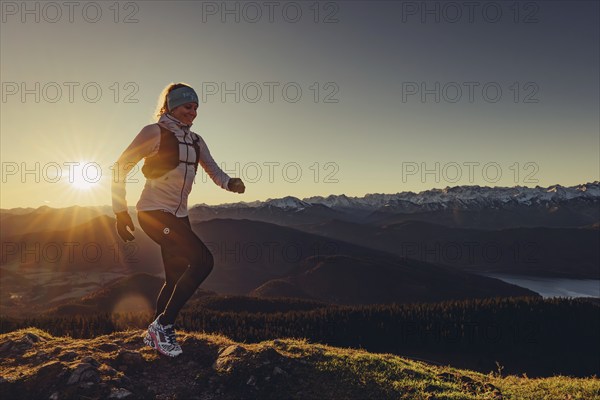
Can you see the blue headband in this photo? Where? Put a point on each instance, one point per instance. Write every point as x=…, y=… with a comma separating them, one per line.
x=180, y=96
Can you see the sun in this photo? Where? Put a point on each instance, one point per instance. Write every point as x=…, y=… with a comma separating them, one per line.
x=84, y=175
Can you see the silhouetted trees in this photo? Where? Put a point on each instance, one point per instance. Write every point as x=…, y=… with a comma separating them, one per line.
x=533, y=335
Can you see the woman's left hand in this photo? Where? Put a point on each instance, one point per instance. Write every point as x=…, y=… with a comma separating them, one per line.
x=236, y=185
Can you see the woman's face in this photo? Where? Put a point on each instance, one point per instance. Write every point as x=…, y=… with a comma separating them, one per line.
x=186, y=113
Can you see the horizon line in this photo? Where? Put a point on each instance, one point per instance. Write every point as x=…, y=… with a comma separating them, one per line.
x=342, y=194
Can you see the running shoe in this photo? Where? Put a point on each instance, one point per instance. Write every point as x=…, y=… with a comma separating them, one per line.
x=164, y=339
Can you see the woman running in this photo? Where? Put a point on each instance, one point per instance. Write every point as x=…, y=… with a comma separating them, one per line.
x=172, y=153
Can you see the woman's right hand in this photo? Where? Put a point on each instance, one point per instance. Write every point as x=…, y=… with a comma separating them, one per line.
x=236, y=185
x=123, y=222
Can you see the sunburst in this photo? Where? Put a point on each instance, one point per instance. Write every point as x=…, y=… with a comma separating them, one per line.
x=84, y=175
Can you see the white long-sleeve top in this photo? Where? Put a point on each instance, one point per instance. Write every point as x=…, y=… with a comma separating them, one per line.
x=169, y=192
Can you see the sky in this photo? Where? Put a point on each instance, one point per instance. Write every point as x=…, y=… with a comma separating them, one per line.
x=302, y=98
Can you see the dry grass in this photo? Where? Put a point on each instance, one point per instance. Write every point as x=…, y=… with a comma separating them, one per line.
x=282, y=368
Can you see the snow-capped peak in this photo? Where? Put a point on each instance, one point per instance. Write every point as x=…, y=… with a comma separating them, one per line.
x=287, y=202
x=468, y=196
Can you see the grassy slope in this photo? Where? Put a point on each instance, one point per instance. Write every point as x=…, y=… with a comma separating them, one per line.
x=214, y=366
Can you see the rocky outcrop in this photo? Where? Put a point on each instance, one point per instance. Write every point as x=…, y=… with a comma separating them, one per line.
x=36, y=365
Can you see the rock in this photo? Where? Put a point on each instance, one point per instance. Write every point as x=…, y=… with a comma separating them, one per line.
x=53, y=396
x=269, y=356
x=119, y=393
x=108, y=347
x=84, y=372
x=251, y=381
x=33, y=338
x=127, y=357
x=91, y=361
x=20, y=345
x=6, y=346
x=50, y=371
x=233, y=350
x=86, y=385
x=68, y=356
x=227, y=357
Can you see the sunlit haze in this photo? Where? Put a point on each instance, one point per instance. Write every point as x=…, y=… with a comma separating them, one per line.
x=302, y=100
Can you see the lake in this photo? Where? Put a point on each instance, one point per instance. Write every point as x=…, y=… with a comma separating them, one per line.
x=553, y=287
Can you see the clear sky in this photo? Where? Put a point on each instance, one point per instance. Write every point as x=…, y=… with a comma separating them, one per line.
x=306, y=98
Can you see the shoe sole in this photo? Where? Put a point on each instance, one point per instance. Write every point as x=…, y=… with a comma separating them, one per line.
x=149, y=342
x=157, y=347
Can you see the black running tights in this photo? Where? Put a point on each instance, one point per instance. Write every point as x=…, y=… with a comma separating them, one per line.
x=186, y=259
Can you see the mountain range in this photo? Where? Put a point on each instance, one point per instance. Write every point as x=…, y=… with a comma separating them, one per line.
x=460, y=206
x=339, y=249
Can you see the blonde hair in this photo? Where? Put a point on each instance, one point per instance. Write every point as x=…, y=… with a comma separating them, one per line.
x=161, y=106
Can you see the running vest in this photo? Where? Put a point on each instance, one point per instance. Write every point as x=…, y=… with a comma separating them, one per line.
x=167, y=156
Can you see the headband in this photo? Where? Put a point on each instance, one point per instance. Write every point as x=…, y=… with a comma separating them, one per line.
x=180, y=96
